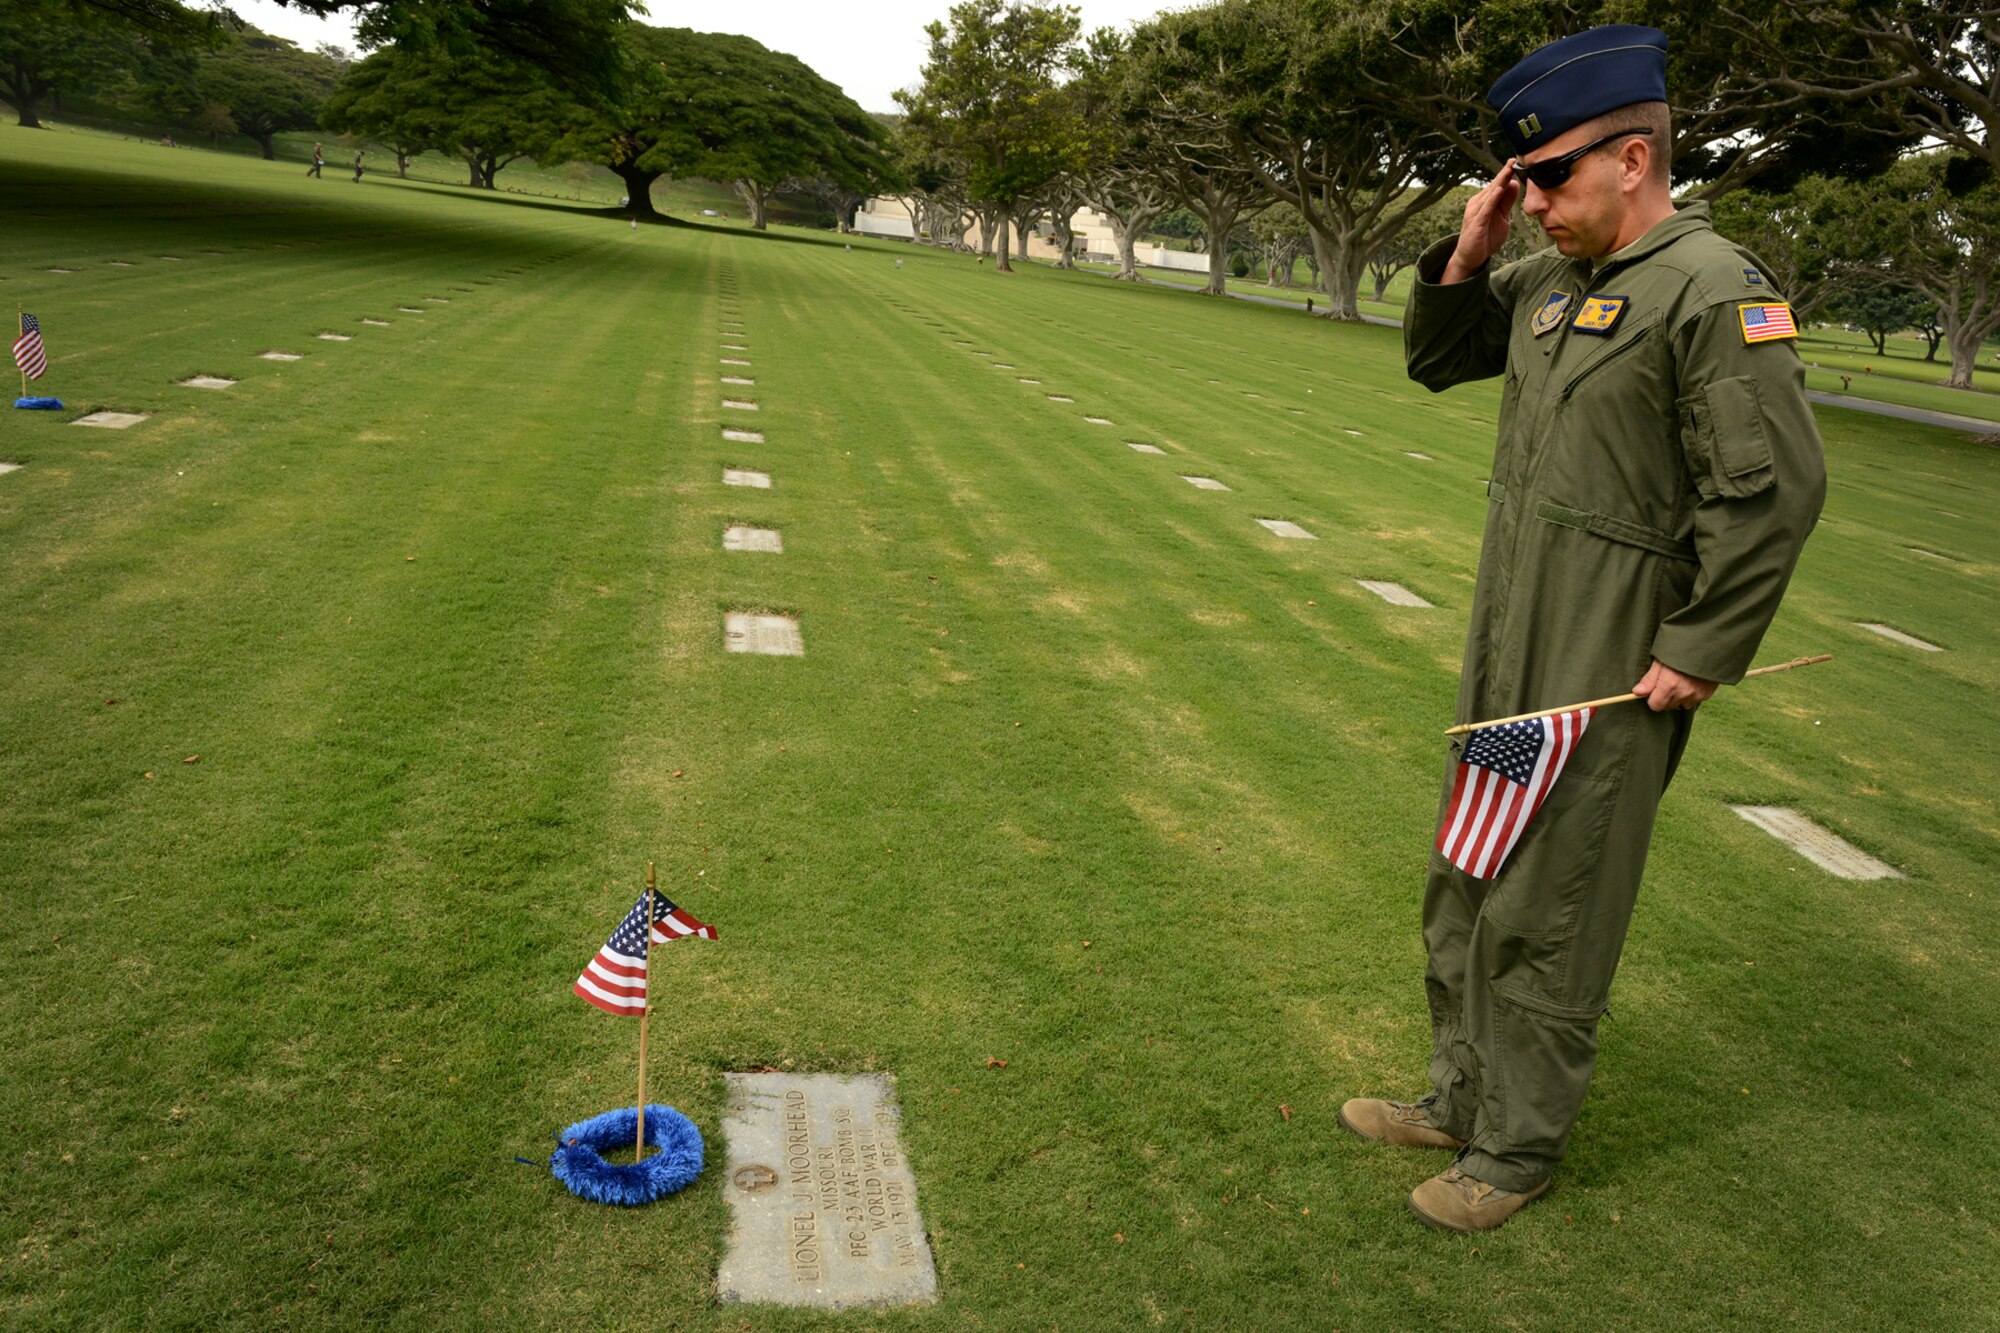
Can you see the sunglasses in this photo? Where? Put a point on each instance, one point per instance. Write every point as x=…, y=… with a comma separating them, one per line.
x=1553, y=172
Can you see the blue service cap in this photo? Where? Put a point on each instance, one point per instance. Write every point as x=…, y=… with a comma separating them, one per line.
x=1570, y=81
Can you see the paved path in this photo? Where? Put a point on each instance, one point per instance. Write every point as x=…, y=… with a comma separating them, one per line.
x=1921, y=415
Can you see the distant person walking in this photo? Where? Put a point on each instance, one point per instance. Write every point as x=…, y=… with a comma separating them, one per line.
x=357, y=166
x=319, y=160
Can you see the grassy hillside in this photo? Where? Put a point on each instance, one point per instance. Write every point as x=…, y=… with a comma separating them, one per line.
x=345, y=707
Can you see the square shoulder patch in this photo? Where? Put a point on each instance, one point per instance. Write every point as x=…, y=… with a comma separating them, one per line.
x=1765, y=322
x=1600, y=314
x=1752, y=278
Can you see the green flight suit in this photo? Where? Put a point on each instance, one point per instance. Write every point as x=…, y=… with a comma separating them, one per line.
x=1656, y=474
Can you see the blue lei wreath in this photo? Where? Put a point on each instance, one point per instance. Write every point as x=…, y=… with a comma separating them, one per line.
x=578, y=1160
x=39, y=404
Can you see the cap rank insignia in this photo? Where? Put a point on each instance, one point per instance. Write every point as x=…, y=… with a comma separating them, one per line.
x=1551, y=313
x=1531, y=125
x=1599, y=314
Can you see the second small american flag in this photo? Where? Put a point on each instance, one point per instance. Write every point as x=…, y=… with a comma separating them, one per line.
x=1504, y=774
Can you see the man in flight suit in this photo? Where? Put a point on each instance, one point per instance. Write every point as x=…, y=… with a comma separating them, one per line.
x=1656, y=474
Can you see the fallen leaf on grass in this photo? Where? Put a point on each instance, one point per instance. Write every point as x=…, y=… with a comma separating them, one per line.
x=1118, y=1236
x=677, y=772
x=995, y=1062
x=149, y=775
x=1086, y=944
x=1284, y=1110
x=192, y=759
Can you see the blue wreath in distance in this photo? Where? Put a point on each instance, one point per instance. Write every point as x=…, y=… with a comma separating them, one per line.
x=675, y=1161
x=39, y=404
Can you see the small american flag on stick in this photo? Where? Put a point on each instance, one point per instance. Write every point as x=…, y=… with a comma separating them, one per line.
x=28, y=353
x=1504, y=774
x=615, y=980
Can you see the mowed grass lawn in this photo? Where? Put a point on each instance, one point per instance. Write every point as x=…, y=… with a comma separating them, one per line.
x=344, y=707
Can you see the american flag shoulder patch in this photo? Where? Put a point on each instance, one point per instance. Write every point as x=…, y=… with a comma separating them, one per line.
x=1765, y=321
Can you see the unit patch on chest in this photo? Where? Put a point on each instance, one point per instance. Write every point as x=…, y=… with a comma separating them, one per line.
x=1600, y=314
x=1551, y=313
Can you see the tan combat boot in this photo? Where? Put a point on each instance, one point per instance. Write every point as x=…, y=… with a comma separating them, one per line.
x=1398, y=1124
x=1455, y=1201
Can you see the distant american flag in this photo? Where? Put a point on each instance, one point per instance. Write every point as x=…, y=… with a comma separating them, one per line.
x=1761, y=323
x=1504, y=775
x=28, y=354
x=615, y=981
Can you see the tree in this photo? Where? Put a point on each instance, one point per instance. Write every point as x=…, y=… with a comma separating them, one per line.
x=1940, y=242
x=990, y=97
x=1115, y=171
x=268, y=84
x=1283, y=240
x=1789, y=234
x=46, y=48
x=1293, y=88
x=383, y=98
x=487, y=109
x=1879, y=311
x=1427, y=228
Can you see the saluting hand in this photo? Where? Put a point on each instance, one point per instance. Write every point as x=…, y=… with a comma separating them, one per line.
x=1489, y=216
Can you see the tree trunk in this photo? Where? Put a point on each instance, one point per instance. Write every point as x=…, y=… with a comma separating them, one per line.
x=1964, y=356
x=1128, y=261
x=1340, y=268
x=1218, y=262
x=1881, y=337
x=1931, y=338
x=754, y=196
x=264, y=142
x=988, y=222
x=402, y=165
x=25, y=90
x=1065, y=239
x=638, y=189
x=1002, y=217
x=1021, y=237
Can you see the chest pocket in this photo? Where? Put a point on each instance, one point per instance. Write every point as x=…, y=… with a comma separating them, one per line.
x=1622, y=353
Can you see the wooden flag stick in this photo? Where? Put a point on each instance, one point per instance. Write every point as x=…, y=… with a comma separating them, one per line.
x=1622, y=698
x=20, y=327
x=652, y=884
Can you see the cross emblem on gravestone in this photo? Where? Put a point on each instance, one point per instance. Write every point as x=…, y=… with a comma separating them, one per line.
x=754, y=1179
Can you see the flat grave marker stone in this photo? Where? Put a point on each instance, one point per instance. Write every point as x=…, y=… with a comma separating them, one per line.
x=1422, y=458
x=5, y=468
x=411, y=309
x=1933, y=555
x=737, y=379
x=279, y=356
x=111, y=420
x=335, y=337
x=734, y=347
x=734, y=361
x=1824, y=848
x=740, y=538
x=1897, y=636
x=1203, y=483
x=1060, y=398
x=1099, y=421
x=121, y=263
x=740, y=404
x=763, y=634
x=1002, y=365
x=822, y=1201
x=1137, y=447
x=1026, y=380
x=207, y=382
x=743, y=436
x=1393, y=593
x=737, y=476
x=1284, y=527
x=378, y=323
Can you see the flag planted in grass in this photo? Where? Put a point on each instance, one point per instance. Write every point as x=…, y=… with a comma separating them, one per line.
x=615, y=980
x=1504, y=775
x=28, y=352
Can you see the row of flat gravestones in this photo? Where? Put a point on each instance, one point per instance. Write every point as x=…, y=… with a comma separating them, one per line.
x=1820, y=846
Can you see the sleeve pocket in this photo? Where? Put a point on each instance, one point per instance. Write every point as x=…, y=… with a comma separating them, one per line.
x=1722, y=429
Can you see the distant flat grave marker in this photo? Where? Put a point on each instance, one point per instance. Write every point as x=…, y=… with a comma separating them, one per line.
x=279, y=356
x=121, y=263
x=1248, y=394
x=5, y=468
x=1351, y=432
x=767, y=635
x=207, y=382
x=411, y=309
x=737, y=379
x=1934, y=555
x=736, y=476
x=740, y=404
x=734, y=347
x=1426, y=458
x=1897, y=636
x=335, y=337
x=1002, y=365
x=1296, y=411
x=753, y=539
x=111, y=420
x=1144, y=448
x=1204, y=483
x=1060, y=398
x=1393, y=593
x=1825, y=849
x=822, y=1201
x=1099, y=421
x=1026, y=380
x=441, y=300
x=1284, y=527
x=171, y=259
x=743, y=436
x=378, y=323
x=734, y=361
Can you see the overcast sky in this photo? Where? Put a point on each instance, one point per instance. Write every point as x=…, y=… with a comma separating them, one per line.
x=870, y=49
